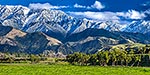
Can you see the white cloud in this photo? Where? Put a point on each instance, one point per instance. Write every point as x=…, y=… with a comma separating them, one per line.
x=107, y=16
x=45, y=6
x=79, y=6
x=98, y=5
x=96, y=15
x=131, y=14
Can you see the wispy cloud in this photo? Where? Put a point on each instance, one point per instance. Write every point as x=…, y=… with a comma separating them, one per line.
x=131, y=14
x=45, y=6
x=96, y=15
x=79, y=6
x=97, y=5
x=105, y=16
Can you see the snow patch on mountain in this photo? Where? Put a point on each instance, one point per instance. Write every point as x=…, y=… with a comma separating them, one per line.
x=46, y=20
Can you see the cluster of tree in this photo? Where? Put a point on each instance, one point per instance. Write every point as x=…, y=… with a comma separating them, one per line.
x=29, y=58
x=19, y=58
x=140, y=57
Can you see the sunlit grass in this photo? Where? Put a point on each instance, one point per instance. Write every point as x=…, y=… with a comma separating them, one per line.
x=43, y=69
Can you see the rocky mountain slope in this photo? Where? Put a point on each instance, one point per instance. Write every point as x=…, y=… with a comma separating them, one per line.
x=13, y=40
x=88, y=41
x=138, y=27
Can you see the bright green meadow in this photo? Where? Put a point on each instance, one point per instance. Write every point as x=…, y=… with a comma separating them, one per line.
x=43, y=69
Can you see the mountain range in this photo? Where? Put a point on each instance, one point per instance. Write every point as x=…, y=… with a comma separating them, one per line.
x=36, y=30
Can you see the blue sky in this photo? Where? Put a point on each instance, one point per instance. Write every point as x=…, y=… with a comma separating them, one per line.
x=111, y=5
x=91, y=9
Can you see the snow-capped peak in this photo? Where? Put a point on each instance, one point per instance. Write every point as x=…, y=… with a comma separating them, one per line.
x=48, y=21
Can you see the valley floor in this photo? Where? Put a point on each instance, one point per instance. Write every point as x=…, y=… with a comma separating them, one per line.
x=43, y=69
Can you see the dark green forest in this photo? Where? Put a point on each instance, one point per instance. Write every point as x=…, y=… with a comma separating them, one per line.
x=130, y=57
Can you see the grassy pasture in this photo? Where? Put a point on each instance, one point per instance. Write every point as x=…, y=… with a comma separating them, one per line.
x=43, y=69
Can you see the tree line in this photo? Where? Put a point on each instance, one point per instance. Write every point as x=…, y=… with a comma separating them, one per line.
x=29, y=58
x=138, y=56
x=113, y=57
x=18, y=58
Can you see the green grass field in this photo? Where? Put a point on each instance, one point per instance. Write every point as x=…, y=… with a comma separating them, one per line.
x=41, y=69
